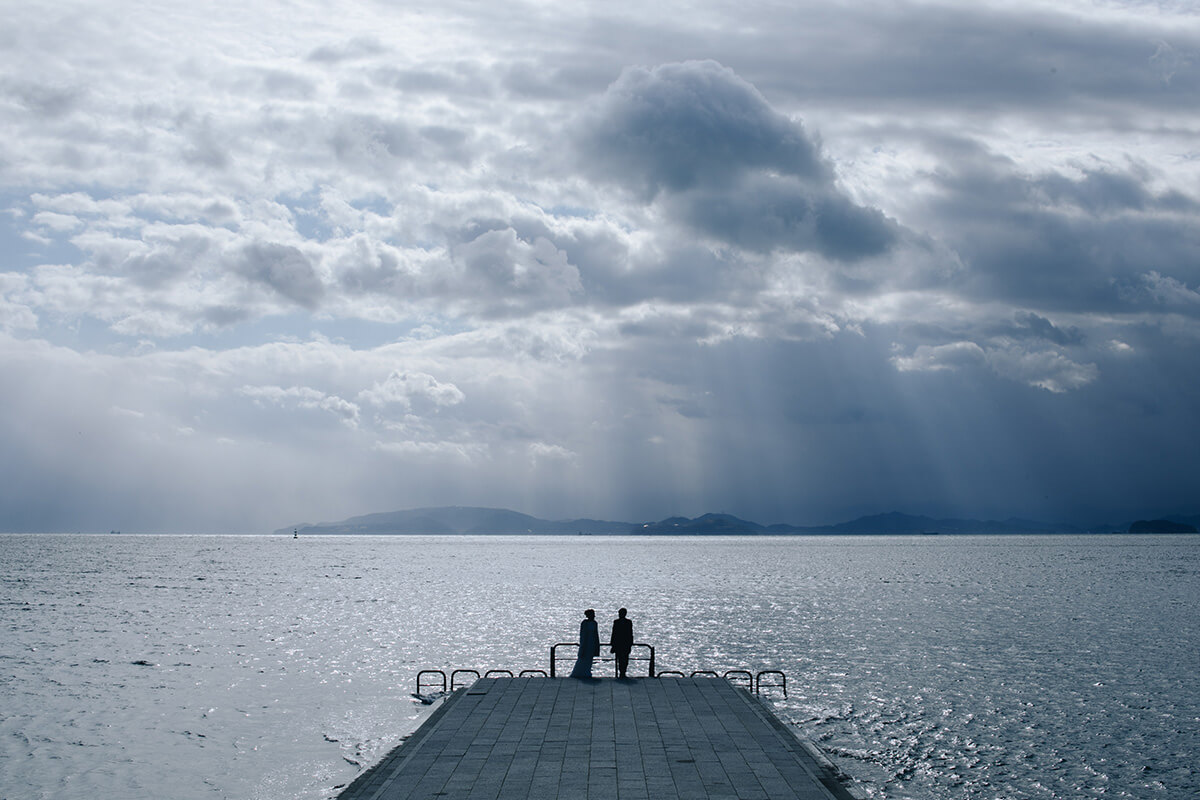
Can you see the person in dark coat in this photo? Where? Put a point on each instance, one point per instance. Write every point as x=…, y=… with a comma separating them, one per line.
x=621, y=641
x=589, y=645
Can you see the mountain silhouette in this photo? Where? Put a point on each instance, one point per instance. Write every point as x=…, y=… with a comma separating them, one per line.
x=457, y=519
x=476, y=520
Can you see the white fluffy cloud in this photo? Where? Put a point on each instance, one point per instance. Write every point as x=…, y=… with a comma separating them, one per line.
x=403, y=388
x=928, y=358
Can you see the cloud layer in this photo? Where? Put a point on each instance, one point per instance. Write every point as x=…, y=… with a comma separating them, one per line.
x=263, y=265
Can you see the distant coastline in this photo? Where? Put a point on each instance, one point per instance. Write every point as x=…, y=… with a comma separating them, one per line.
x=476, y=520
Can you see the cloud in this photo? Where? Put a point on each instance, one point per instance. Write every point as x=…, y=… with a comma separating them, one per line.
x=15, y=314
x=1166, y=291
x=552, y=453
x=1076, y=66
x=1028, y=325
x=402, y=259
x=358, y=47
x=452, y=451
x=1045, y=369
x=408, y=388
x=1015, y=351
x=1168, y=61
x=727, y=164
x=46, y=100
x=769, y=214
x=1061, y=241
x=306, y=398
x=928, y=358
x=286, y=270
x=505, y=271
x=679, y=126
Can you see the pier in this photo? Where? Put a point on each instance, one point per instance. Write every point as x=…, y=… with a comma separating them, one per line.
x=696, y=738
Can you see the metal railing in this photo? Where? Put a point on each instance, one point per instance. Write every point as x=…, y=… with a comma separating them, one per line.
x=423, y=673
x=642, y=652
x=758, y=684
x=454, y=676
x=645, y=648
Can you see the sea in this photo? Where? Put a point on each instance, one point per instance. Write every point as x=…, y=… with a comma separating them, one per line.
x=931, y=667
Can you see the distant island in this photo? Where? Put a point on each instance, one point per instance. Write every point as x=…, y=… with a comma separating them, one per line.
x=1161, y=526
x=474, y=520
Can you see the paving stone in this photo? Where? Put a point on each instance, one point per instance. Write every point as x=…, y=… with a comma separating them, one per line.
x=605, y=739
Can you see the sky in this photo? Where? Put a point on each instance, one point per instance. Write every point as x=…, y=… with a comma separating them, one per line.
x=267, y=263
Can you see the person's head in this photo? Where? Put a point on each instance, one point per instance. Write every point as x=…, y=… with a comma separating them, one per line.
x=590, y=613
x=621, y=613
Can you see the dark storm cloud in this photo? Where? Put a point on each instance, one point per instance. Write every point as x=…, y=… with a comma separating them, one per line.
x=1021, y=326
x=911, y=57
x=1027, y=325
x=768, y=213
x=970, y=57
x=679, y=126
x=1102, y=191
x=726, y=163
x=1061, y=241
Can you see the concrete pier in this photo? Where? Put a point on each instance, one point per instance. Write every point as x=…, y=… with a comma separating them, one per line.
x=602, y=739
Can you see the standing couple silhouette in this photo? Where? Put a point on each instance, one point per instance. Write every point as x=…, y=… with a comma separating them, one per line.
x=620, y=642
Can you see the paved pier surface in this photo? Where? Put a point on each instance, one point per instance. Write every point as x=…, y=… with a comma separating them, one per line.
x=605, y=739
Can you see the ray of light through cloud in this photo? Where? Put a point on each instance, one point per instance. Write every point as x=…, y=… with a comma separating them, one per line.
x=794, y=262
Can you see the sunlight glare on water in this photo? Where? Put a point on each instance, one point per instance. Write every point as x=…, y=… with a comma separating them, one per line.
x=927, y=667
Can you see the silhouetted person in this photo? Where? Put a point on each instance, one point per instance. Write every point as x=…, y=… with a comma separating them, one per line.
x=621, y=641
x=589, y=645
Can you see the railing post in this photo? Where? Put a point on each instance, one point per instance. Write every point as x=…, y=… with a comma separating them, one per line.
x=454, y=675
x=425, y=672
x=758, y=684
x=651, y=660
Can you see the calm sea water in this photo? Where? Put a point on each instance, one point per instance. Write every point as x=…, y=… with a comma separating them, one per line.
x=927, y=667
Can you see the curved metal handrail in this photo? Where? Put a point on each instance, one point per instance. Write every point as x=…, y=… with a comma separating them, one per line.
x=645, y=648
x=729, y=673
x=754, y=681
x=430, y=672
x=781, y=685
x=454, y=675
